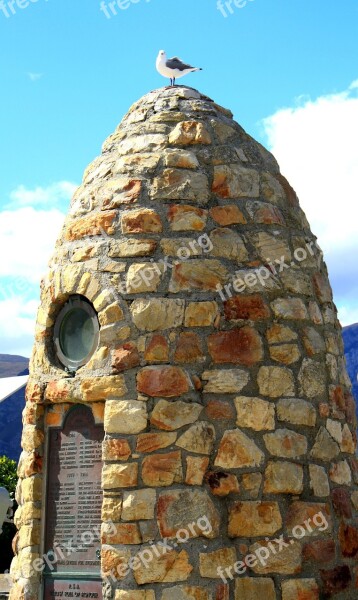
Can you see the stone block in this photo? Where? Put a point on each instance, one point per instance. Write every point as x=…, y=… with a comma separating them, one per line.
x=125, y=416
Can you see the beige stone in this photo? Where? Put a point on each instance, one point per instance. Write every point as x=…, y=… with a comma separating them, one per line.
x=138, y=505
x=183, y=159
x=348, y=443
x=180, y=247
x=228, y=244
x=170, y=567
x=286, y=443
x=31, y=490
x=210, y=562
x=251, y=483
x=181, y=184
x=115, y=449
x=271, y=247
x=254, y=588
x=202, y=275
x=283, y=478
x=112, y=508
x=157, y=313
x=131, y=248
x=253, y=519
x=279, y=334
x=225, y=381
x=286, y=562
x=201, y=314
x=254, y=413
x=340, y=473
x=173, y=415
x=189, y=132
x=312, y=379
x=176, y=509
x=295, y=589
x=234, y=181
x=236, y=451
x=275, y=382
x=101, y=388
x=199, y=438
x=297, y=412
x=325, y=448
x=319, y=481
x=289, y=308
x=140, y=143
x=119, y=476
x=125, y=416
x=143, y=278
x=334, y=428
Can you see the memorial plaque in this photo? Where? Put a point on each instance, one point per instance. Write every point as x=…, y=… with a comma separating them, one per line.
x=74, y=495
x=72, y=589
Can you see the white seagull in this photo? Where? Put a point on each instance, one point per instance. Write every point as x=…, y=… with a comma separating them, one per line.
x=173, y=67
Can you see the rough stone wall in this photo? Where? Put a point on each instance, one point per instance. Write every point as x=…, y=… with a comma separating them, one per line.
x=225, y=403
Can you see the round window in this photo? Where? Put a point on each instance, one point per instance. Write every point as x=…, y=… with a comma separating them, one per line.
x=76, y=333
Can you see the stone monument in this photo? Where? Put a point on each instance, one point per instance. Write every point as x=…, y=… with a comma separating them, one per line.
x=189, y=432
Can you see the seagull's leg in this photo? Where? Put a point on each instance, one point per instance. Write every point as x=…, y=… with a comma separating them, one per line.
x=171, y=81
x=174, y=81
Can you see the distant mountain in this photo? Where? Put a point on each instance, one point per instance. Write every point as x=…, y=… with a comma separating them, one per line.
x=11, y=408
x=350, y=338
x=12, y=366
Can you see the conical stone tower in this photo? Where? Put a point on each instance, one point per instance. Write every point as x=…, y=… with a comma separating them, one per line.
x=187, y=320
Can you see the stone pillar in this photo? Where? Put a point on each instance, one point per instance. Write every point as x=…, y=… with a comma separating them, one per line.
x=228, y=416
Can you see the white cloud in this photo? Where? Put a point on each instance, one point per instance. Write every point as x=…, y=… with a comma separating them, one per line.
x=34, y=76
x=27, y=240
x=315, y=143
x=53, y=195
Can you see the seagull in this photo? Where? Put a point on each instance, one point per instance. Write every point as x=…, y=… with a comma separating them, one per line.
x=173, y=67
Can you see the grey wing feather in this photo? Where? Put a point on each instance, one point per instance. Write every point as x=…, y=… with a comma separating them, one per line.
x=176, y=63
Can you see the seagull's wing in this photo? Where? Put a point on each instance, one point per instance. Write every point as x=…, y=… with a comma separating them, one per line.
x=176, y=63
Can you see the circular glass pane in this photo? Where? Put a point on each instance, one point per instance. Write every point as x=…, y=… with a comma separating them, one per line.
x=77, y=335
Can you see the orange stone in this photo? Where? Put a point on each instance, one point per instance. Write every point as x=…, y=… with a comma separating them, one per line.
x=348, y=537
x=93, y=225
x=126, y=192
x=59, y=391
x=163, y=382
x=197, y=274
x=196, y=467
x=141, y=221
x=246, y=307
x=188, y=348
x=222, y=484
x=162, y=469
x=252, y=519
x=268, y=214
x=125, y=357
x=157, y=349
x=125, y=533
x=186, y=218
x=219, y=409
x=237, y=346
x=227, y=215
x=150, y=442
x=115, y=449
x=34, y=392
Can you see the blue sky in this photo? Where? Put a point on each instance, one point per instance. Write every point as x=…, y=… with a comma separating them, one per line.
x=286, y=68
